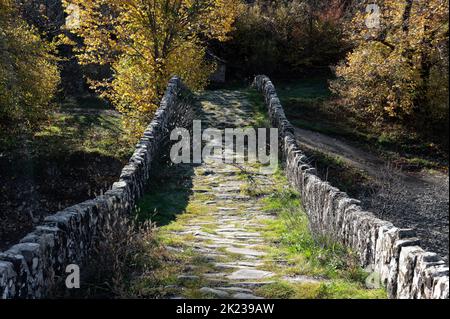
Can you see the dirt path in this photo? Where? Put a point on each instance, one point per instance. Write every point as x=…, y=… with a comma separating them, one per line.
x=416, y=200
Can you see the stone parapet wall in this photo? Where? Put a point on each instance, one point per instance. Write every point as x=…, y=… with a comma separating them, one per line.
x=392, y=254
x=33, y=267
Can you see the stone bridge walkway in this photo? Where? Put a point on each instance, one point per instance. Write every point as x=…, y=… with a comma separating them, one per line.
x=221, y=244
x=223, y=223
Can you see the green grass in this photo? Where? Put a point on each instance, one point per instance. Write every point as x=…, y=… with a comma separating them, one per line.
x=260, y=116
x=89, y=133
x=346, y=290
x=162, y=207
x=75, y=132
x=277, y=290
x=305, y=102
x=167, y=195
x=296, y=239
x=313, y=290
x=310, y=88
x=80, y=125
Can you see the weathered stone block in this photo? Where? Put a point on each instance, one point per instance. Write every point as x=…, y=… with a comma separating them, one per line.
x=406, y=268
x=7, y=280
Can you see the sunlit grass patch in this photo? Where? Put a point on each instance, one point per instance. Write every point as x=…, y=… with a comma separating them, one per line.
x=210, y=229
x=341, y=289
x=83, y=132
x=203, y=197
x=319, y=290
x=169, y=239
x=277, y=290
x=174, y=227
x=306, y=255
x=260, y=116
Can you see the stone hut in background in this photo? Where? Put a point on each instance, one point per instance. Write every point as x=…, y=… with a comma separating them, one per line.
x=219, y=76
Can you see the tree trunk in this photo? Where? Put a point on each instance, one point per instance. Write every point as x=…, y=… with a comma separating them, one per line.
x=407, y=15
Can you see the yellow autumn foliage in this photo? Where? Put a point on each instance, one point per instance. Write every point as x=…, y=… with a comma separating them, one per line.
x=28, y=72
x=393, y=68
x=145, y=42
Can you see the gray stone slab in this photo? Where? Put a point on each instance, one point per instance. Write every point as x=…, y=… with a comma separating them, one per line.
x=214, y=292
x=245, y=251
x=250, y=274
x=245, y=296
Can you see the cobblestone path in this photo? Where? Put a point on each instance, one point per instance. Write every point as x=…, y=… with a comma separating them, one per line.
x=221, y=241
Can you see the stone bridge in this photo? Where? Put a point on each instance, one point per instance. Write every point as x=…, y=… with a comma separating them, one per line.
x=33, y=267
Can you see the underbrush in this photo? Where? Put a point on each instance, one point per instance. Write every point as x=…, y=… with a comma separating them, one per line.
x=125, y=248
x=338, y=173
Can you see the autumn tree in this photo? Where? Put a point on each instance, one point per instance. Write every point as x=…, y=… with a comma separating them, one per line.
x=286, y=37
x=145, y=42
x=28, y=73
x=398, y=68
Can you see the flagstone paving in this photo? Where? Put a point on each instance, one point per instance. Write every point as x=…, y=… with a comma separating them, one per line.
x=224, y=236
x=219, y=243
